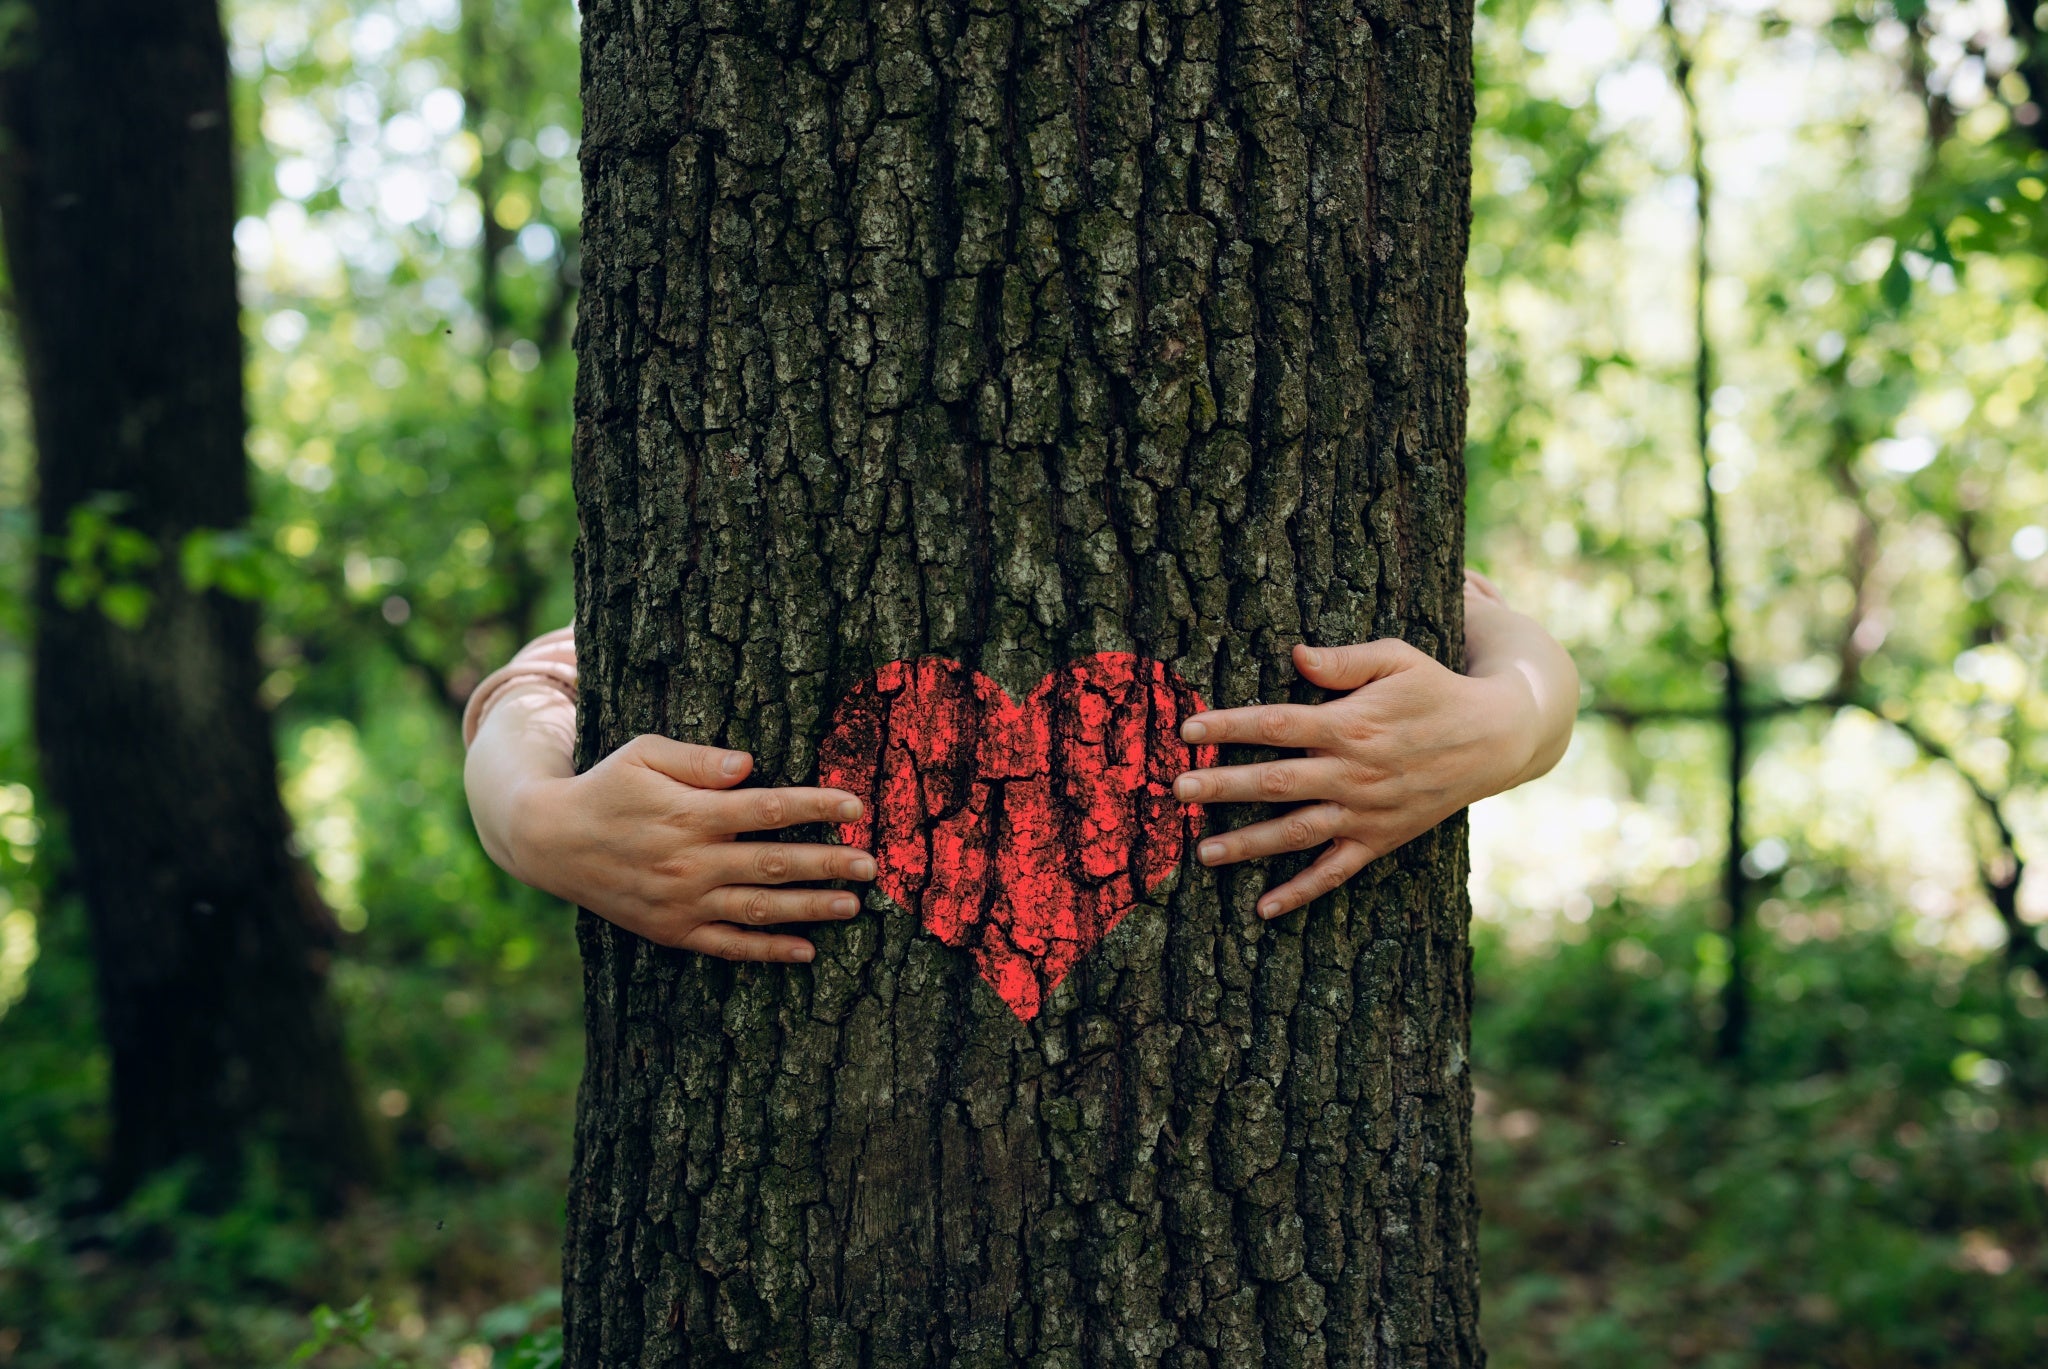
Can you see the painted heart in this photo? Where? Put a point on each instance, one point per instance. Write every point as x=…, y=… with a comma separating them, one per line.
x=1020, y=831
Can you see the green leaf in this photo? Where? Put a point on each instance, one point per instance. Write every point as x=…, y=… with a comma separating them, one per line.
x=332, y=1328
x=541, y=1350
x=76, y=587
x=128, y=549
x=126, y=605
x=1895, y=287
x=1940, y=250
x=227, y=560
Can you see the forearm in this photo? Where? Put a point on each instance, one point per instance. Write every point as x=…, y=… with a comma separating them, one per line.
x=528, y=735
x=1512, y=647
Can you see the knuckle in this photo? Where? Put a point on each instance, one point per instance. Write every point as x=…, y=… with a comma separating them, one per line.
x=1270, y=724
x=1275, y=782
x=1360, y=774
x=755, y=908
x=772, y=809
x=1299, y=830
x=772, y=861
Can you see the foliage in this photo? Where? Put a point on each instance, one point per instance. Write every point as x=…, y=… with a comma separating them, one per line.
x=409, y=257
x=355, y=1328
x=1870, y=1194
x=1866, y=1189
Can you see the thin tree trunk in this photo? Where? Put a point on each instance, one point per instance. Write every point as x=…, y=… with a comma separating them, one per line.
x=2032, y=65
x=209, y=942
x=1731, y=1037
x=1014, y=335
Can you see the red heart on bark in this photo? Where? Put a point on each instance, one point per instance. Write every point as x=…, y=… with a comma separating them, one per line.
x=1023, y=832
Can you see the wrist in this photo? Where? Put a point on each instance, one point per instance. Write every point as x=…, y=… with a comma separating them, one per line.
x=521, y=751
x=1512, y=729
x=530, y=815
x=1489, y=624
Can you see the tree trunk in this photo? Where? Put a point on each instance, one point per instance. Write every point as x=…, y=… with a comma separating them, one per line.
x=1015, y=335
x=209, y=942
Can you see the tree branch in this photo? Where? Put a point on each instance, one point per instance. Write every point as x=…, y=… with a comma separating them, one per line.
x=2001, y=878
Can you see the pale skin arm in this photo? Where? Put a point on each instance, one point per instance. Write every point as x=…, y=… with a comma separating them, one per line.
x=1410, y=744
x=645, y=838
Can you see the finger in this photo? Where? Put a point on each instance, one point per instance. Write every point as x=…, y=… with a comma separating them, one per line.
x=707, y=767
x=1260, y=725
x=747, y=905
x=764, y=810
x=1475, y=583
x=727, y=942
x=1344, y=859
x=1350, y=667
x=782, y=862
x=1296, y=831
x=1266, y=782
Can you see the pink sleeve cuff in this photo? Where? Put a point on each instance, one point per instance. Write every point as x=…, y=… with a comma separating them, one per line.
x=548, y=659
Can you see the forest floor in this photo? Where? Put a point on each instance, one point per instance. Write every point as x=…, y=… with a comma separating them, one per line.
x=1869, y=1189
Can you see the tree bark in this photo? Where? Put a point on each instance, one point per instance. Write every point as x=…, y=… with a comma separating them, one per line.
x=1010, y=334
x=209, y=942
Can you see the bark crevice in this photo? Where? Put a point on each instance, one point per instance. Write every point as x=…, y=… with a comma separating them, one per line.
x=1015, y=333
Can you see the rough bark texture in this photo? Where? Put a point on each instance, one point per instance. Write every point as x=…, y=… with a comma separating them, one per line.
x=1012, y=334
x=118, y=197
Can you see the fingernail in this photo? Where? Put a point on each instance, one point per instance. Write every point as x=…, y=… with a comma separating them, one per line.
x=846, y=905
x=1193, y=730
x=1211, y=852
x=863, y=868
x=733, y=764
x=1312, y=658
x=849, y=810
x=1270, y=908
x=804, y=955
x=1185, y=787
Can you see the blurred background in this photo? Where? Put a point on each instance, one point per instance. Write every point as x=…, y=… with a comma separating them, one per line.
x=1825, y=1142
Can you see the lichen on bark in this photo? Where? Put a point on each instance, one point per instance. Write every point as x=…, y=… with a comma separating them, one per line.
x=1013, y=333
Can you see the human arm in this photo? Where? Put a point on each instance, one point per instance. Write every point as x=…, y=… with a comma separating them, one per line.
x=1411, y=743
x=646, y=837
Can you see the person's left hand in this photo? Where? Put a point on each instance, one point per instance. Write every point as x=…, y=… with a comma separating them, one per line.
x=1410, y=745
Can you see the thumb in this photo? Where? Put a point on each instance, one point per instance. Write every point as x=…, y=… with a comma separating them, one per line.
x=1348, y=667
x=706, y=767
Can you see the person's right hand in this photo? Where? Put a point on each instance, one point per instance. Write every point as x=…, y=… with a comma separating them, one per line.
x=645, y=839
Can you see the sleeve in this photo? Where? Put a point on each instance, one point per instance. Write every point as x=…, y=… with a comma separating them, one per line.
x=549, y=659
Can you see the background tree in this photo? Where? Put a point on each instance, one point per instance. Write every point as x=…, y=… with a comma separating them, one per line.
x=1012, y=336
x=209, y=942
